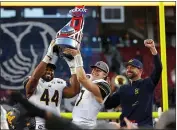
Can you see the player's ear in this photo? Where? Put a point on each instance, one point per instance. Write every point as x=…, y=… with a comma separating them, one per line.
x=105, y=75
x=141, y=71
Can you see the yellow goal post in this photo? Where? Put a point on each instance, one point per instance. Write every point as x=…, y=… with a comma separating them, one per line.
x=115, y=115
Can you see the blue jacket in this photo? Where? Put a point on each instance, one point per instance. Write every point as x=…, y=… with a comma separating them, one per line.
x=136, y=98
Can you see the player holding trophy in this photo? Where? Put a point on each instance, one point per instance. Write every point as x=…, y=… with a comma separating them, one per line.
x=95, y=90
x=42, y=89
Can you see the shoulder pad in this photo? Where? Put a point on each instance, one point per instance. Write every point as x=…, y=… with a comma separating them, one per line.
x=105, y=87
x=99, y=80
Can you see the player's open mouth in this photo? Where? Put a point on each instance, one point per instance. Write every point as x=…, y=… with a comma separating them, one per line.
x=48, y=75
x=129, y=73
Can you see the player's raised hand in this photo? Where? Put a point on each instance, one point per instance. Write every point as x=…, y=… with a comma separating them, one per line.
x=77, y=56
x=50, y=52
x=71, y=64
x=149, y=43
x=72, y=52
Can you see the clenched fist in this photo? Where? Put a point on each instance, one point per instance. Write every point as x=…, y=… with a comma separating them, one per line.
x=149, y=43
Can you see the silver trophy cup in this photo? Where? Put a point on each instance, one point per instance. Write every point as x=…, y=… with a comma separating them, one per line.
x=70, y=35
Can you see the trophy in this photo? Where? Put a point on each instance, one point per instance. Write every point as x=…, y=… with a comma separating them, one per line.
x=71, y=34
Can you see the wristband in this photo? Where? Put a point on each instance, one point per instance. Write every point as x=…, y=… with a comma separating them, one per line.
x=73, y=70
x=46, y=59
x=78, y=60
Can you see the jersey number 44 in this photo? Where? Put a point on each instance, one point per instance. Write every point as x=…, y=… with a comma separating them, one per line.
x=46, y=98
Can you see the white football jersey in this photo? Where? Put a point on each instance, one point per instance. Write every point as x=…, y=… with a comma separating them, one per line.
x=87, y=107
x=48, y=96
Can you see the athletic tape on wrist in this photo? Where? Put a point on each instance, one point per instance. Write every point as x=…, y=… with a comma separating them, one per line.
x=71, y=63
x=78, y=60
x=46, y=59
x=73, y=70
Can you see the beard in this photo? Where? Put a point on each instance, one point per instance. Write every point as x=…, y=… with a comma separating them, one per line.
x=132, y=75
x=47, y=77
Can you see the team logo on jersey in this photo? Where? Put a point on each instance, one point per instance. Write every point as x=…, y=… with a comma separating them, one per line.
x=130, y=61
x=20, y=54
x=60, y=82
x=53, y=82
x=136, y=91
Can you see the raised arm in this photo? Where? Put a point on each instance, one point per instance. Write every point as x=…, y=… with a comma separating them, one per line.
x=81, y=75
x=39, y=71
x=88, y=84
x=157, y=70
x=156, y=73
x=74, y=87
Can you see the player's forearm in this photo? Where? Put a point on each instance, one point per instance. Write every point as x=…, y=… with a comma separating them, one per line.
x=75, y=84
x=39, y=71
x=36, y=75
x=74, y=89
x=80, y=72
x=81, y=75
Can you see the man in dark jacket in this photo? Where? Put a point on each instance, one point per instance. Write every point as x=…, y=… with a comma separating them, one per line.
x=136, y=98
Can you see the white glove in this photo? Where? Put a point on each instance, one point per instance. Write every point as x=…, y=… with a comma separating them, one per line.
x=79, y=61
x=71, y=64
x=50, y=52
